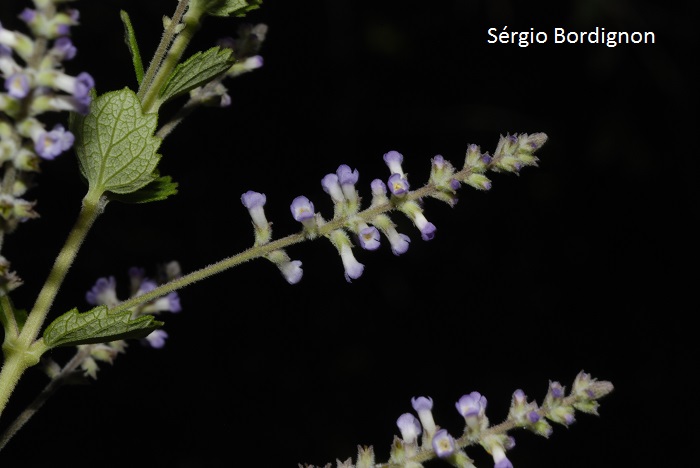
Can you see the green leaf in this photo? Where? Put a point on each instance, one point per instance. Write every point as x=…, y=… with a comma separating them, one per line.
x=97, y=326
x=230, y=7
x=196, y=71
x=160, y=189
x=130, y=39
x=115, y=143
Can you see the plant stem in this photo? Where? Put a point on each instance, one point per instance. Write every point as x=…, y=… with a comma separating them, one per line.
x=160, y=71
x=56, y=382
x=165, y=41
x=262, y=250
x=22, y=352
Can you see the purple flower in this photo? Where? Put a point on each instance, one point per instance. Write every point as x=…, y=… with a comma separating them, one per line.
x=369, y=238
x=28, y=15
x=255, y=202
x=427, y=229
x=104, y=292
x=409, y=427
x=499, y=457
x=533, y=416
x=48, y=145
x=347, y=178
x=167, y=303
x=17, y=85
x=64, y=49
x=443, y=444
x=291, y=271
x=7, y=37
x=346, y=175
x=332, y=187
x=424, y=406
x=398, y=185
x=83, y=84
x=353, y=268
x=378, y=187
x=302, y=209
x=156, y=339
x=393, y=159
x=556, y=389
x=399, y=242
x=378, y=192
x=136, y=276
x=473, y=404
x=63, y=21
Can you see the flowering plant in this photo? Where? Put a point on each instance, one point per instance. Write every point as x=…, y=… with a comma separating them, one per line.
x=117, y=137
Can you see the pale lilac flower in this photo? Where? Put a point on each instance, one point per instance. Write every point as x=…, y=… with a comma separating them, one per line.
x=254, y=62
x=369, y=238
x=424, y=406
x=17, y=85
x=398, y=185
x=499, y=457
x=399, y=242
x=302, y=209
x=556, y=390
x=443, y=444
x=427, y=229
x=48, y=145
x=28, y=15
x=156, y=339
x=168, y=303
x=409, y=427
x=78, y=86
x=332, y=187
x=64, y=49
x=61, y=103
x=353, y=268
x=7, y=37
x=245, y=66
x=136, y=277
x=254, y=202
x=347, y=178
x=63, y=21
x=393, y=159
x=378, y=192
x=473, y=404
x=104, y=292
x=291, y=271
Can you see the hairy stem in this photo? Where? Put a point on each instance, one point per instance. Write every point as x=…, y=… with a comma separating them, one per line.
x=149, y=91
x=264, y=249
x=56, y=382
x=162, y=49
x=23, y=351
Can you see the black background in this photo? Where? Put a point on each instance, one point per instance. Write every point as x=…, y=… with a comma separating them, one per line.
x=581, y=264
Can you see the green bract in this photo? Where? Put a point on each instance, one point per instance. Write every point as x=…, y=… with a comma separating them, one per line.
x=130, y=39
x=228, y=7
x=97, y=326
x=196, y=71
x=115, y=143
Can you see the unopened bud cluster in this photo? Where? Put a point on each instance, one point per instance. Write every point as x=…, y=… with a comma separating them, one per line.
x=33, y=82
x=104, y=292
x=246, y=47
x=422, y=440
x=351, y=226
